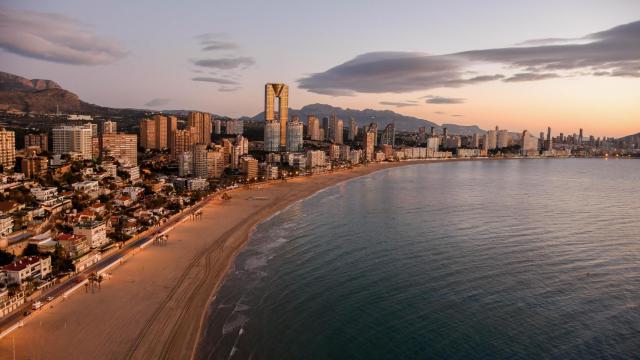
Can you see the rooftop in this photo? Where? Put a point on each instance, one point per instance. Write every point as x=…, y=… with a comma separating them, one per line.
x=22, y=263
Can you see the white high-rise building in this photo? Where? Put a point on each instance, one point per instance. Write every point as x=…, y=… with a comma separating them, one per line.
x=528, y=143
x=73, y=139
x=272, y=136
x=502, y=139
x=294, y=136
x=243, y=143
x=200, y=160
x=185, y=163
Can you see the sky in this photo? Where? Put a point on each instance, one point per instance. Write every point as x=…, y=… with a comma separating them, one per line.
x=514, y=64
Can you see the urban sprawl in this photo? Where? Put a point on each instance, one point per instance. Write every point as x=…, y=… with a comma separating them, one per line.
x=81, y=187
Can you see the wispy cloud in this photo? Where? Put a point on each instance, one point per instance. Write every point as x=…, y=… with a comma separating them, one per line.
x=397, y=103
x=229, y=88
x=213, y=42
x=531, y=76
x=229, y=63
x=457, y=115
x=441, y=100
x=56, y=38
x=214, y=80
x=613, y=52
x=157, y=102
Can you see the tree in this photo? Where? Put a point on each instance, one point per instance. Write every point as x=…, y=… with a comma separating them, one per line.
x=6, y=257
x=99, y=281
x=31, y=250
x=13, y=288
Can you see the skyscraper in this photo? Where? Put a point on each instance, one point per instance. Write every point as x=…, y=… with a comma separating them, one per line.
x=7, y=149
x=123, y=147
x=201, y=123
x=272, y=136
x=549, y=144
x=200, y=160
x=326, y=127
x=109, y=127
x=502, y=138
x=580, y=138
x=294, y=136
x=313, y=128
x=528, y=143
x=73, y=139
x=39, y=140
x=491, y=140
x=389, y=135
x=336, y=127
x=148, y=134
x=172, y=125
x=215, y=163
x=182, y=141
x=281, y=92
x=369, y=144
x=353, y=129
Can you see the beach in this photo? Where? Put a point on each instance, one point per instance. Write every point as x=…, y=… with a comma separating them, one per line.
x=152, y=306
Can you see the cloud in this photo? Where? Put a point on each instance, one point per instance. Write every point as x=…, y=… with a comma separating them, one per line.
x=229, y=63
x=457, y=115
x=441, y=100
x=214, y=80
x=229, y=88
x=157, y=102
x=530, y=77
x=616, y=51
x=397, y=104
x=213, y=42
x=54, y=37
x=440, y=112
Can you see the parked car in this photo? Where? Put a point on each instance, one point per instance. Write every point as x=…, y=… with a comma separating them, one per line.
x=49, y=298
x=36, y=305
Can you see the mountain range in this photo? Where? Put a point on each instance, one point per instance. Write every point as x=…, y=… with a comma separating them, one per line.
x=382, y=117
x=45, y=97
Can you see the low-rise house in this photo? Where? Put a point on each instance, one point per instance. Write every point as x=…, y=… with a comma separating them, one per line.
x=89, y=187
x=75, y=245
x=28, y=267
x=98, y=207
x=86, y=260
x=134, y=192
x=6, y=225
x=123, y=201
x=94, y=231
x=44, y=193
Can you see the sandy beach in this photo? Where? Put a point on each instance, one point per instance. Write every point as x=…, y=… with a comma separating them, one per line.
x=153, y=305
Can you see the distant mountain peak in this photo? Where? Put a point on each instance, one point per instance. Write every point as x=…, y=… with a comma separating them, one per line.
x=382, y=117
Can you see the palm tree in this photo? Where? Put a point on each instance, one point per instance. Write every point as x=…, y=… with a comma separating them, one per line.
x=99, y=280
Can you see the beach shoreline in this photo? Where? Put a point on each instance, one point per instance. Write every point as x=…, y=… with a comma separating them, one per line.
x=155, y=305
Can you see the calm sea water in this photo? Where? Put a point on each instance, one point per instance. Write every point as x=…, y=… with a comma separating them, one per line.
x=522, y=259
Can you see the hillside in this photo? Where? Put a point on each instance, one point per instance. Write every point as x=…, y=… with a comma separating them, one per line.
x=382, y=117
x=44, y=97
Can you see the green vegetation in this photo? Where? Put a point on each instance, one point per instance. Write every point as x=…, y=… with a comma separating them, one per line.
x=6, y=257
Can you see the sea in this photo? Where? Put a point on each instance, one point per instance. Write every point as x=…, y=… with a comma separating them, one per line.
x=509, y=259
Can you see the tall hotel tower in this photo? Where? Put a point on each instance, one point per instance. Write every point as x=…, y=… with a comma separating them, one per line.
x=271, y=92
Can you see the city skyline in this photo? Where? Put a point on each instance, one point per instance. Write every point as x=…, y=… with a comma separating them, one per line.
x=220, y=64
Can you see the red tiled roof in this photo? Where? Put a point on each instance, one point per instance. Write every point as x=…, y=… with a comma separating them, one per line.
x=69, y=237
x=22, y=263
